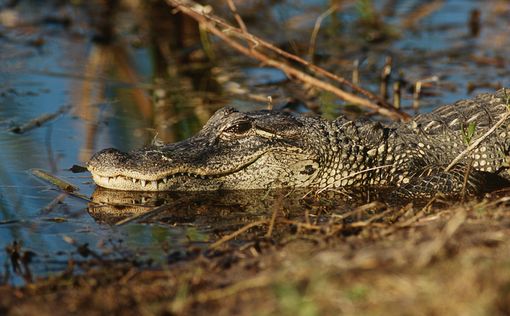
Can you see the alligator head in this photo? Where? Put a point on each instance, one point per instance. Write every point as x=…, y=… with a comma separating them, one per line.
x=234, y=150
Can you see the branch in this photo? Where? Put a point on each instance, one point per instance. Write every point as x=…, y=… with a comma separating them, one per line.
x=229, y=34
x=238, y=18
x=478, y=141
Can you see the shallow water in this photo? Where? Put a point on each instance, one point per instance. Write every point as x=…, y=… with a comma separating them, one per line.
x=122, y=97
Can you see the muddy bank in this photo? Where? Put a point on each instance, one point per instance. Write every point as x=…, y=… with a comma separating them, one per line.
x=440, y=258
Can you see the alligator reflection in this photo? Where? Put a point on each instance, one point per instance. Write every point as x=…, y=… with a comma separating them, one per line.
x=224, y=210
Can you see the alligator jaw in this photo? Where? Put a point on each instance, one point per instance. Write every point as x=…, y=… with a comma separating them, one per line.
x=174, y=179
x=127, y=183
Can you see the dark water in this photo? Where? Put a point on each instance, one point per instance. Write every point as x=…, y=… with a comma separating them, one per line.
x=124, y=95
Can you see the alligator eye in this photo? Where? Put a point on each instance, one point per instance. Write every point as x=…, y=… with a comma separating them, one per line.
x=239, y=128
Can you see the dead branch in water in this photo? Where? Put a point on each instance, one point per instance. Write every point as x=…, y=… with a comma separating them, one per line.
x=255, y=47
x=61, y=184
x=39, y=121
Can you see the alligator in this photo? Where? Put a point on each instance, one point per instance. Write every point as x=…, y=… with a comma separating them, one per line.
x=269, y=149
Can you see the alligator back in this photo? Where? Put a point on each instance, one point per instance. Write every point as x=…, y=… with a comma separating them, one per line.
x=431, y=142
x=483, y=111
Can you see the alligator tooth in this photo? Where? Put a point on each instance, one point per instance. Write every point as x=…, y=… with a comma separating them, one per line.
x=134, y=180
x=143, y=183
x=155, y=183
x=165, y=180
x=107, y=179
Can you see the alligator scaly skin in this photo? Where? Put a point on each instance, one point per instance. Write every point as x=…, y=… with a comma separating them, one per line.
x=414, y=155
x=274, y=149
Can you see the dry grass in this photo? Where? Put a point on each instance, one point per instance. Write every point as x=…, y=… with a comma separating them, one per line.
x=412, y=260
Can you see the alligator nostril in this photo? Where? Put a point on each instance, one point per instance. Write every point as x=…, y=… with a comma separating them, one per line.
x=107, y=157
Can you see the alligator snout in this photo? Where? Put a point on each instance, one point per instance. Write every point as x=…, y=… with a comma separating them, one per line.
x=107, y=158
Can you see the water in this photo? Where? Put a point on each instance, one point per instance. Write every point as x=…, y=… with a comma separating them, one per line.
x=112, y=93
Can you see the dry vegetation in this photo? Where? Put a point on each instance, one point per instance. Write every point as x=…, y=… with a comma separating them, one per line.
x=442, y=258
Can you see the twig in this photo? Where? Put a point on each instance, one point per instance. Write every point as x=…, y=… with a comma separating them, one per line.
x=9, y=221
x=316, y=28
x=38, y=121
x=59, y=199
x=371, y=219
x=396, y=94
x=432, y=248
x=49, y=150
x=277, y=205
x=366, y=224
x=238, y=232
x=221, y=293
x=360, y=209
x=478, y=141
x=418, y=215
x=416, y=95
x=465, y=180
x=150, y=213
x=61, y=184
x=227, y=32
x=271, y=223
x=355, y=72
x=385, y=78
x=301, y=224
x=269, y=102
x=238, y=18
